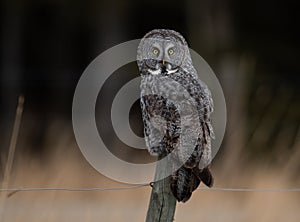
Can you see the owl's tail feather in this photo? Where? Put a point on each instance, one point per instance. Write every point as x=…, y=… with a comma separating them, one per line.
x=183, y=182
x=205, y=176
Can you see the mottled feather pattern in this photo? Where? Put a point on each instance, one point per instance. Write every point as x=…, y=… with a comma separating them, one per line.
x=167, y=127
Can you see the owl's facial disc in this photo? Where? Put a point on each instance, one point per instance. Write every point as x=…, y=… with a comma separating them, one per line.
x=162, y=54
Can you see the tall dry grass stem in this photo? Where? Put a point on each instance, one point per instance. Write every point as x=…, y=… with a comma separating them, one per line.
x=11, y=154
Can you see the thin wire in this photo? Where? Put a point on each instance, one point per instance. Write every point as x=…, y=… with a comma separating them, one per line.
x=250, y=190
x=145, y=185
x=71, y=188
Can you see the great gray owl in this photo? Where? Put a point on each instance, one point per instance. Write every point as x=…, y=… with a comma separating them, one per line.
x=176, y=107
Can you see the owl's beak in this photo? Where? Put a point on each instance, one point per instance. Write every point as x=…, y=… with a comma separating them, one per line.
x=163, y=62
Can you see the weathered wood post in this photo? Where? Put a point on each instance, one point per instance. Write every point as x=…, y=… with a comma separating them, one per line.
x=162, y=202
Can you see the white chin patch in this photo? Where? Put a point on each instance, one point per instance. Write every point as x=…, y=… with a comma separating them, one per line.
x=158, y=71
x=154, y=72
x=172, y=71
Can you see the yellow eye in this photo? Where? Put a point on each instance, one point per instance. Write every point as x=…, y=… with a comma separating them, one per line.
x=171, y=51
x=155, y=51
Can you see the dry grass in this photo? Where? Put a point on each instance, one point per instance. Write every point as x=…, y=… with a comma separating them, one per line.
x=66, y=167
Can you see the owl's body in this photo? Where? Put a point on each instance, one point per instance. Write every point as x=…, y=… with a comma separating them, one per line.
x=176, y=107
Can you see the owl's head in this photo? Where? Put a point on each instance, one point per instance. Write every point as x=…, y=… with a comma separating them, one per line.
x=162, y=50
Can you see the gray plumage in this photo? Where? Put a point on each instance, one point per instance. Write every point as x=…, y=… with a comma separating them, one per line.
x=176, y=107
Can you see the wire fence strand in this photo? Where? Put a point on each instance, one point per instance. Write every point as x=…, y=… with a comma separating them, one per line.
x=72, y=188
x=20, y=189
x=282, y=190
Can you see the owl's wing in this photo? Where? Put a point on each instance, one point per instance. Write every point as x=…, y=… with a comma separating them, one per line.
x=205, y=109
x=200, y=94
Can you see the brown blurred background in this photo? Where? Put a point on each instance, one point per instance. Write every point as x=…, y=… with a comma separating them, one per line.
x=253, y=47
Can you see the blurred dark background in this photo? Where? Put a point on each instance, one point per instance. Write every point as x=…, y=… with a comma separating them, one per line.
x=253, y=47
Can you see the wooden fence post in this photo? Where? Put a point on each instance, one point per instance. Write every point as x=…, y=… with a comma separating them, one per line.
x=162, y=202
